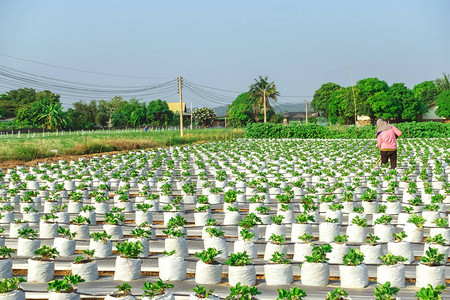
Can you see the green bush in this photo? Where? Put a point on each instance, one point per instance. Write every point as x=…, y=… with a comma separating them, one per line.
x=310, y=131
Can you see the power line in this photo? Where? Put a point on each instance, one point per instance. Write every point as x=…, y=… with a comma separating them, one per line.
x=73, y=69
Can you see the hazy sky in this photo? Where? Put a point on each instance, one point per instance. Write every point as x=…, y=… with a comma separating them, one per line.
x=226, y=44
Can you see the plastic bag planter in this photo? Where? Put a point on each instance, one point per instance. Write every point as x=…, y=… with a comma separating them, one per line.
x=172, y=268
x=127, y=269
x=395, y=274
x=354, y=276
x=40, y=271
x=246, y=275
x=434, y=275
x=278, y=274
x=315, y=274
x=88, y=270
x=63, y=296
x=208, y=273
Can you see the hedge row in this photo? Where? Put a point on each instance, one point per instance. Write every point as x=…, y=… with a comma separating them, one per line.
x=409, y=130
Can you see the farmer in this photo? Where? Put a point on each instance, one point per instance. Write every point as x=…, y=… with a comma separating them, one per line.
x=387, y=135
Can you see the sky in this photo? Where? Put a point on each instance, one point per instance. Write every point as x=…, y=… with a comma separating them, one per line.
x=224, y=44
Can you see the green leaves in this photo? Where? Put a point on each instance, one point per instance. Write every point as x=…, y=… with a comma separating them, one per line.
x=432, y=257
x=337, y=294
x=208, y=256
x=130, y=249
x=279, y=258
x=66, y=285
x=385, y=291
x=319, y=254
x=5, y=252
x=241, y=292
x=10, y=284
x=152, y=289
x=430, y=292
x=391, y=259
x=354, y=257
x=294, y=293
x=238, y=259
x=46, y=253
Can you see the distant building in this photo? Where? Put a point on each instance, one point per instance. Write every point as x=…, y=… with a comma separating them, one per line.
x=430, y=114
x=175, y=106
x=363, y=120
x=298, y=116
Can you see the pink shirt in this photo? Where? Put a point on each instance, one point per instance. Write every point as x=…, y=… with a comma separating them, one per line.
x=387, y=140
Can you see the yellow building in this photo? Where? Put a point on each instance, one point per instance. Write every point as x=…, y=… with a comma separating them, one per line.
x=175, y=106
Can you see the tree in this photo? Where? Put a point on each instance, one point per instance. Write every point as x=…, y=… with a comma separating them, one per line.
x=363, y=90
x=53, y=116
x=263, y=90
x=384, y=105
x=82, y=115
x=110, y=108
x=341, y=108
x=12, y=101
x=204, y=116
x=426, y=92
x=159, y=114
x=240, y=112
x=43, y=113
x=129, y=113
x=321, y=97
x=443, y=104
x=410, y=106
x=443, y=83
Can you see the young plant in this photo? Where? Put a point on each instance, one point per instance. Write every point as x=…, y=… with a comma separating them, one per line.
x=437, y=239
x=238, y=259
x=359, y=221
x=432, y=257
x=28, y=233
x=114, y=218
x=246, y=235
x=82, y=260
x=65, y=233
x=153, y=289
x=208, y=256
x=123, y=289
x=174, y=233
x=304, y=218
x=417, y=220
x=430, y=292
x=278, y=258
x=5, y=252
x=277, y=220
x=391, y=259
x=10, y=284
x=384, y=219
x=306, y=237
x=45, y=253
x=241, y=292
x=385, y=291
x=354, y=257
x=441, y=222
x=101, y=237
x=144, y=207
x=214, y=232
x=277, y=239
x=202, y=292
x=399, y=236
x=130, y=249
x=294, y=293
x=341, y=239
x=66, y=285
x=319, y=254
x=337, y=294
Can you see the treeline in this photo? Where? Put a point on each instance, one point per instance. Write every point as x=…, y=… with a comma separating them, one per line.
x=33, y=109
x=376, y=99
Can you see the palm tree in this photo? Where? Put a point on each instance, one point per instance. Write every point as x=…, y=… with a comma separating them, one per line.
x=443, y=83
x=263, y=90
x=53, y=115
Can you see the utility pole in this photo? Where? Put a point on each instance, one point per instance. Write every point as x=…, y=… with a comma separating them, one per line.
x=191, y=115
x=353, y=91
x=181, y=105
x=264, y=103
x=306, y=106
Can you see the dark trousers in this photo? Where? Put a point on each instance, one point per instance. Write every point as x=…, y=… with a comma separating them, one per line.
x=391, y=156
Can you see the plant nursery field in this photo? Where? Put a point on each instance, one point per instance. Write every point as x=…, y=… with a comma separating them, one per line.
x=248, y=218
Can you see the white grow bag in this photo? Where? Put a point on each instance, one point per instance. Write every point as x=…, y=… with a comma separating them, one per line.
x=172, y=268
x=40, y=271
x=354, y=276
x=87, y=271
x=127, y=269
x=246, y=275
x=395, y=274
x=208, y=274
x=278, y=274
x=429, y=275
x=315, y=274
